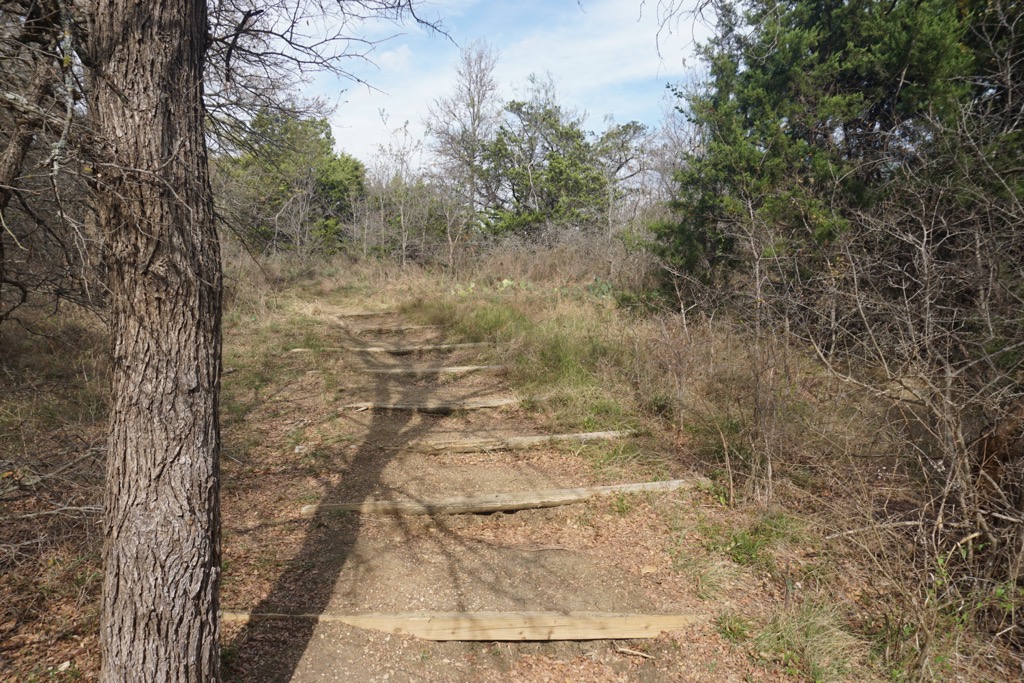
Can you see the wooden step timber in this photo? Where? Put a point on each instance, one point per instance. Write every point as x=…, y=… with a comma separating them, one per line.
x=391, y=330
x=510, y=443
x=451, y=370
x=436, y=407
x=494, y=502
x=362, y=314
x=496, y=626
x=396, y=350
x=419, y=348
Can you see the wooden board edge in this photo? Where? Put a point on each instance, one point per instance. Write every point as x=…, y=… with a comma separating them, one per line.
x=496, y=502
x=483, y=445
x=497, y=626
x=454, y=369
x=438, y=407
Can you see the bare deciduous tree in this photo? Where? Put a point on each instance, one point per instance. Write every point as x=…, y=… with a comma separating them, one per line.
x=464, y=121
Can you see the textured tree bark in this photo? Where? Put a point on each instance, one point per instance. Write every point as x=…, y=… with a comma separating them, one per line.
x=162, y=546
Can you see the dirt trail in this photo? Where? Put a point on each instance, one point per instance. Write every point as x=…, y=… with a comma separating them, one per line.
x=599, y=556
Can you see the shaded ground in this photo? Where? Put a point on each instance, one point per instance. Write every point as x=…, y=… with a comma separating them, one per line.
x=617, y=555
x=289, y=443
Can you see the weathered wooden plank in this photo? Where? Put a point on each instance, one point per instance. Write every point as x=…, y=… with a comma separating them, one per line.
x=439, y=407
x=418, y=348
x=493, y=502
x=395, y=350
x=394, y=329
x=510, y=442
x=361, y=314
x=450, y=370
x=497, y=626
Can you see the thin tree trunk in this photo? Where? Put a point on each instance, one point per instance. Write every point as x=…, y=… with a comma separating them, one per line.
x=162, y=545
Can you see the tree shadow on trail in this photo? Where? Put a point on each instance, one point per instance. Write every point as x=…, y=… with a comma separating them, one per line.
x=272, y=650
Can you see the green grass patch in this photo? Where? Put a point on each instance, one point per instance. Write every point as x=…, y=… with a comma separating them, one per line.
x=714, y=437
x=715, y=488
x=705, y=572
x=257, y=355
x=732, y=627
x=621, y=504
x=612, y=459
x=751, y=546
x=810, y=643
x=563, y=352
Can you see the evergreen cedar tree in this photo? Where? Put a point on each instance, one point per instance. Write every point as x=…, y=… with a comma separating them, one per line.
x=807, y=114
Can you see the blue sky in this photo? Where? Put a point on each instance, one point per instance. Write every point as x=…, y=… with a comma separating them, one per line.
x=603, y=55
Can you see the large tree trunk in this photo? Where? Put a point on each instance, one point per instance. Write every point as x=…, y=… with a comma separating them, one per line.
x=162, y=547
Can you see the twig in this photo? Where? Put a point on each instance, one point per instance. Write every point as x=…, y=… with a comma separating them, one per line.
x=11, y=549
x=58, y=511
x=889, y=525
x=1005, y=518
x=636, y=653
x=63, y=468
x=969, y=537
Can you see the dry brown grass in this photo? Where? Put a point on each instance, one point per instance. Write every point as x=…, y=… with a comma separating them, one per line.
x=53, y=384
x=761, y=416
x=704, y=394
x=563, y=259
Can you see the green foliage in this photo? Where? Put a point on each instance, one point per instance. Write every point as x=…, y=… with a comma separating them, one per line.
x=621, y=504
x=339, y=182
x=528, y=167
x=289, y=189
x=543, y=168
x=856, y=182
x=809, y=110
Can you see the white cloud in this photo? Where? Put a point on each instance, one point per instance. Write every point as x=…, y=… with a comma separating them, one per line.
x=394, y=60
x=604, y=58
